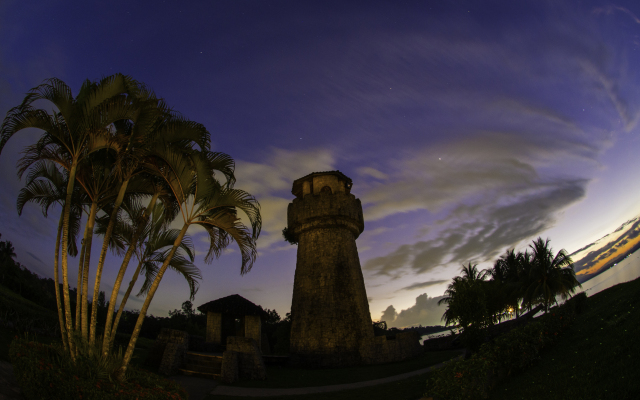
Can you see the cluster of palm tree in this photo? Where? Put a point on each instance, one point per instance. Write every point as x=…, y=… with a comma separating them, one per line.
x=533, y=278
x=104, y=154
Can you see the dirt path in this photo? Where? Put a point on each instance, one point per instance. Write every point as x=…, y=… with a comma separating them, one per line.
x=9, y=389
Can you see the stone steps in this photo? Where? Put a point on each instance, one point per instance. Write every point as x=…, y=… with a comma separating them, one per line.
x=203, y=365
x=200, y=374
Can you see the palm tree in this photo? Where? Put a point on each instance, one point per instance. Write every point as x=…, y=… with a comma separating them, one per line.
x=132, y=138
x=206, y=202
x=549, y=275
x=144, y=151
x=97, y=178
x=153, y=236
x=472, y=299
x=450, y=294
x=7, y=253
x=79, y=127
x=45, y=185
x=471, y=273
x=509, y=271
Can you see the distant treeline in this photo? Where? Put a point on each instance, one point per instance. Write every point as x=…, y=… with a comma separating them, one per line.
x=380, y=329
x=31, y=286
x=19, y=279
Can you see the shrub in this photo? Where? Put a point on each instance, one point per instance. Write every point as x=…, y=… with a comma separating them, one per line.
x=25, y=316
x=508, y=354
x=578, y=302
x=43, y=374
x=473, y=337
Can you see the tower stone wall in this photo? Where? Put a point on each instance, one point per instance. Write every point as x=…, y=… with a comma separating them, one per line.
x=330, y=310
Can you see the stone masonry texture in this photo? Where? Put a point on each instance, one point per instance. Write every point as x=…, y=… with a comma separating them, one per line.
x=330, y=312
x=214, y=327
x=168, y=351
x=249, y=358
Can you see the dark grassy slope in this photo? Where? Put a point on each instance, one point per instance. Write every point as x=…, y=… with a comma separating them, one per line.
x=597, y=358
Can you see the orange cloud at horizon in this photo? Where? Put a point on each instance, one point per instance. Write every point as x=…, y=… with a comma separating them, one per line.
x=619, y=251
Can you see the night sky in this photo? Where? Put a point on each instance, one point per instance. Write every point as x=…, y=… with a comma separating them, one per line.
x=467, y=128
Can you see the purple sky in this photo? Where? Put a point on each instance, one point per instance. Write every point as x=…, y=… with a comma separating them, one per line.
x=467, y=129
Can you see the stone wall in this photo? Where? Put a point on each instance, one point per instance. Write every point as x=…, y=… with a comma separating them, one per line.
x=249, y=358
x=165, y=357
x=173, y=358
x=442, y=343
x=331, y=181
x=330, y=310
x=253, y=328
x=214, y=327
x=383, y=349
x=229, y=371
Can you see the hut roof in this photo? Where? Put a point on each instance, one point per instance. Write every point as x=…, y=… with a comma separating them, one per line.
x=297, y=184
x=235, y=305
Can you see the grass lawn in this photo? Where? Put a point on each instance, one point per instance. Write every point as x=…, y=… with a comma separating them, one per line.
x=287, y=377
x=597, y=358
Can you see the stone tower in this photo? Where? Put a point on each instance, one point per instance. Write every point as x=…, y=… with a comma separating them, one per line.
x=330, y=310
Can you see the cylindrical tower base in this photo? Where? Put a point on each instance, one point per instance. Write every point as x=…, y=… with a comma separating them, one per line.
x=330, y=309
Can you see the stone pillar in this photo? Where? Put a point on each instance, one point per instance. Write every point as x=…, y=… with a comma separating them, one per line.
x=253, y=328
x=250, y=362
x=330, y=310
x=214, y=328
x=168, y=351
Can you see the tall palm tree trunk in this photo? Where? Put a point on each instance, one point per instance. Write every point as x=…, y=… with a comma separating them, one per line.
x=114, y=330
x=114, y=297
x=103, y=255
x=85, y=274
x=143, y=312
x=123, y=268
x=79, y=286
x=65, y=271
x=56, y=280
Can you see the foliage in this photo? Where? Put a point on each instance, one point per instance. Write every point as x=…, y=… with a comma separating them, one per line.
x=272, y=317
x=289, y=236
x=465, y=297
x=476, y=303
x=43, y=373
x=278, y=331
x=469, y=298
x=507, y=355
x=380, y=328
x=549, y=275
x=22, y=315
x=595, y=359
x=24, y=282
x=187, y=319
x=112, y=144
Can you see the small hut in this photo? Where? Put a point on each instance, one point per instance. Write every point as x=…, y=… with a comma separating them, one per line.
x=233, y=316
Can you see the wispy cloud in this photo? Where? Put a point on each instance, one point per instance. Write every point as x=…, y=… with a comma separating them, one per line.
x=612, y=8
x=271, y=180
x=423, y=285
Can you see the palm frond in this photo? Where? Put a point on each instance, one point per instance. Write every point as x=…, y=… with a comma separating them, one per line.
x=55, y=91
